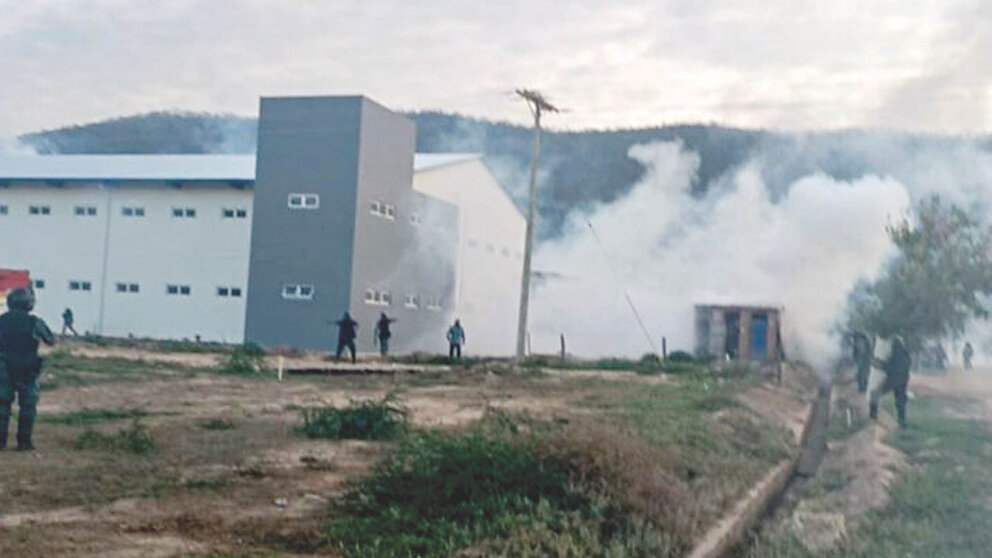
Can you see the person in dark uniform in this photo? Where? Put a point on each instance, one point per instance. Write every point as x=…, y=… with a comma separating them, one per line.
x=456, y=338
x=862, y=359
x=968, y=353
x=67, y=320
x=383, y=333
x=346, y=335
x=894, y=361
x=20, y=366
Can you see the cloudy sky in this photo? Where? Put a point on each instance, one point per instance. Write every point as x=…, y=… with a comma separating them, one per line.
x=783, y=64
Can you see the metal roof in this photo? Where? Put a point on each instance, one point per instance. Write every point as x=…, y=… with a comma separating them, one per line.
x=179, y=168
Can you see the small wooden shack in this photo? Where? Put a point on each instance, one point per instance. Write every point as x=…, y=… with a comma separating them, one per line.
x=739, y=332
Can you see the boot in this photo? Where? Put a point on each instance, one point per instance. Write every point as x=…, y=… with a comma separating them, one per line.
x=25, y=424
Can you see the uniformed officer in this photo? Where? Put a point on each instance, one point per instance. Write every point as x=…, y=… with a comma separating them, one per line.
x=20, y=365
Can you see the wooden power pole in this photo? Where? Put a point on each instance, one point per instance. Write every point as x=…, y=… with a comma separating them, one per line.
x=538, y=105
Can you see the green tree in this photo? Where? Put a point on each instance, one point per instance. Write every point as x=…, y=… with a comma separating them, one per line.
x=938, y=281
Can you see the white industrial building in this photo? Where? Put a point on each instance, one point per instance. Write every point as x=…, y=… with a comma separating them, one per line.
x=161, y=246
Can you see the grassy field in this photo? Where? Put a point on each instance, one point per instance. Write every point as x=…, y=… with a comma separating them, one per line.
x=940, y=507
x=144, y=458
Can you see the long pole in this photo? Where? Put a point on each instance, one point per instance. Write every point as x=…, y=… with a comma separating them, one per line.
x=529, y=240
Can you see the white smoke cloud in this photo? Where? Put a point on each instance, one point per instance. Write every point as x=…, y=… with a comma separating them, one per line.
x=13, y=146
x=804, y=250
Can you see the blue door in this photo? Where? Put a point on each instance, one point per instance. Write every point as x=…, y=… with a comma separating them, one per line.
x=759, y=337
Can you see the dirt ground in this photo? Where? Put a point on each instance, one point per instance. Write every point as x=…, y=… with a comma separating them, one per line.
x=256, y=485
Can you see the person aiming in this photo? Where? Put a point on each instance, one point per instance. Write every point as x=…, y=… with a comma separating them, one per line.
x=968, y=354
x=67, y=321
x=346, y=336
x=383, y=333
x=893, y=360
x=456, y=338
x=20, y=366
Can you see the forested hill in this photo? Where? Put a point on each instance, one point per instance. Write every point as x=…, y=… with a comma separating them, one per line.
x=579, y=169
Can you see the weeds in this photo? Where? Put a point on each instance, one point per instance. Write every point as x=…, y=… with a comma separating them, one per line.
x=218, y=423
x=365, y=420
x=87, y=417
x=134, y=439
x=245, y=359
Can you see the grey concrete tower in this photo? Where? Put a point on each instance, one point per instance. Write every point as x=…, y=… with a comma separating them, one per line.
x=316, y=248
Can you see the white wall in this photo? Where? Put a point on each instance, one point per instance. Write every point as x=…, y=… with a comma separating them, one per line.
x=203, y=252
x=490, y=258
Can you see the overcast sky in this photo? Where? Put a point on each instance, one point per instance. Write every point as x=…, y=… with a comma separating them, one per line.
x=783, y=64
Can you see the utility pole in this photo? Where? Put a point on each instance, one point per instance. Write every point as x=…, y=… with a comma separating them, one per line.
x=537, y=105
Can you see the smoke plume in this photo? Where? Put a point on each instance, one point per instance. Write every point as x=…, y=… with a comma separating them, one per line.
x=802, y=245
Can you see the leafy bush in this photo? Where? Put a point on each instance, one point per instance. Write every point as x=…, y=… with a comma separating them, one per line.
x=135, y=439
x=245, y=359
x=681, y=356
x=363, y=420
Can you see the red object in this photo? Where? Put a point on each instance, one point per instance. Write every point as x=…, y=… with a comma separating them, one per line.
x=11, y=279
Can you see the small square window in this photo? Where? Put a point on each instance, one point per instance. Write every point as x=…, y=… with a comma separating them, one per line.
x=306, y=291
x=184, y=289
x=295, y=201
x=127, y=211
x=390, y=211
x=190, y=212
x=80, y=210
x=91, y=211
x=34, y=210
x=171, y=289
x=4, y=209
x=45, y=210
x=374, y=208
x=132, y=288
x=86, y=285
x=177, y=212
x=39, y=283
x=73, y=285
x=223, y=291
x=228, y=214
x=311, y=200
x=121, y=288
x=242, y=213
x=289, y=290
x=235, y=291
x=369, y=296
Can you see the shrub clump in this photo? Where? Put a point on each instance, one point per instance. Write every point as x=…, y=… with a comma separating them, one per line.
x=134, y=439
x=513, y=488
x=362, y=420
x=245, y=359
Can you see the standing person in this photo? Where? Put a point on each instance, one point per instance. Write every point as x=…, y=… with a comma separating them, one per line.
x=382, y=333
x=893, y=359
x=456, y=338
x=941, y=358
x=969, y=352
x=346, y=335
x=20, y=366
x=67, y=320
x=862, y=359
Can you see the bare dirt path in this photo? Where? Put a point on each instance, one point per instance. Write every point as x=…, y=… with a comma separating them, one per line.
x=975, y=385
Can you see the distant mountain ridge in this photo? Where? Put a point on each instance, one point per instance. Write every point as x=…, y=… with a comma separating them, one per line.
x=579, y=169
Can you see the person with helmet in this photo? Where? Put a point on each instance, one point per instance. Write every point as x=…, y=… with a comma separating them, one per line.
x=20, y=366
x=893, y=360
x=346, y=336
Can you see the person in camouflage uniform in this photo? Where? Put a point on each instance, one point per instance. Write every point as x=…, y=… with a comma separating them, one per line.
x=20, y=366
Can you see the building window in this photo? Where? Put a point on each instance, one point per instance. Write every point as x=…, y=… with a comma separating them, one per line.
x=4, y=209
x=131, y=211
x=378, y=298
x=384, y=210
x=411, y=301
x=121, y=287
x=177, y=290
x=39, y=283
x=80, y=286
x=179, y=212
x=127, y=287
x=297, y=291
x=229, y=213
x=184, y=290
x=473, y=243
x=303, y=201
x=85, y=211
x=190, y=212
x=40, y=210
x=432, y=303
x=235, y=291
x=228, y=291
x=416, y=220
